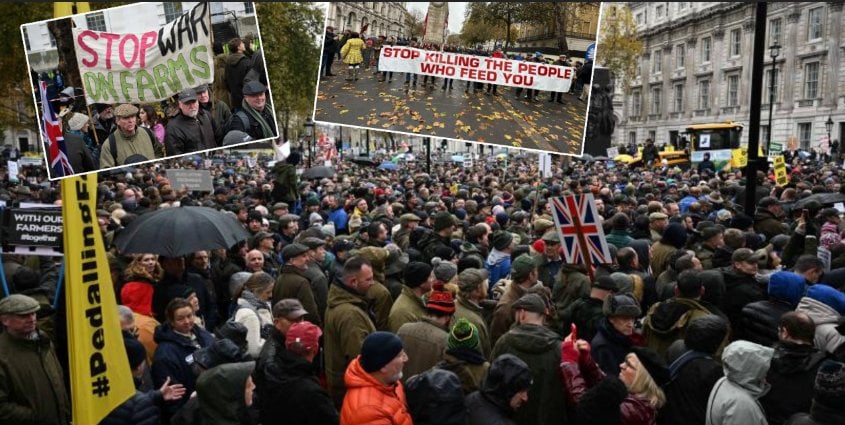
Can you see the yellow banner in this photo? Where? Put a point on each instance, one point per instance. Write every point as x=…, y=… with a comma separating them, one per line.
x=781, y=179
x=100, y=378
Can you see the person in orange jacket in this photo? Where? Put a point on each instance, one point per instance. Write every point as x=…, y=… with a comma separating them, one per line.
x=374, y=392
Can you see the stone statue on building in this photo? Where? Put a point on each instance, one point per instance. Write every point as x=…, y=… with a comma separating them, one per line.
x=437, y=19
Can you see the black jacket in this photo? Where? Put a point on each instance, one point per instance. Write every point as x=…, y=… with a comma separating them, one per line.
x=78, y=154
x=251, y=126
x=687, y=393
x=185, y=134
x=237, y=65
x=792, y=374
x=291, y=391
x=740, y=289
x=491, y=404
x=609, y=348
x=435, y=397
x=171, y=359
x=759, y=321
x=586, y=313
x=819, y=415
x=140, y=409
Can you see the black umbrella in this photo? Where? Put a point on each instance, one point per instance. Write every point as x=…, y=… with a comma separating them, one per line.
x=822, y=198
x=319, y=172
x=180, y=231
x=365, y=160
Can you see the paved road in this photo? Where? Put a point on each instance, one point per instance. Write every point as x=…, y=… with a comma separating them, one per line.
x=467, y=115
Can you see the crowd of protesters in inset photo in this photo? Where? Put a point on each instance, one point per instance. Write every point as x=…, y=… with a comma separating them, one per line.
x=360, y=52
x=407, y=297
x=235, y=109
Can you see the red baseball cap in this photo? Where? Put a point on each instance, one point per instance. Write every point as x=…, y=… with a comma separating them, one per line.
x=302, y=337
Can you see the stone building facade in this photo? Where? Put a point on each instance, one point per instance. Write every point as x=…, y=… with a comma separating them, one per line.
x=696, y=68
x=384, y=18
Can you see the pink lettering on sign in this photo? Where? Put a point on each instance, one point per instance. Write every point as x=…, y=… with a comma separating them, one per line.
x=130, y=48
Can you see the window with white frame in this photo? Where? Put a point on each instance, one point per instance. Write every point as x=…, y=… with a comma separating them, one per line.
x=733, y=90
x=26, y=39
x=640, y=20
x=656, y=62
x=704, y=94
x=632, y=138
x=636, y=103
x=811, y=80
x=678, y=98
x=771, y=95
x=815, y=23
x=736, y=42
x=705, y=49
x=680, y=56
x=774, y=31
x=656, y=98
x=172, y=10
x=805, y=131
x=249, y=7
x=96, y=21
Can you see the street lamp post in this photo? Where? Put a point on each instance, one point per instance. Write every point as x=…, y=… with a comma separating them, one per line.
x=828, y=125
x=309, y=133
x=774, y=52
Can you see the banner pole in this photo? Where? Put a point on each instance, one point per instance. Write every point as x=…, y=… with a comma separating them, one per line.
x=3, y=278
x=59, y=285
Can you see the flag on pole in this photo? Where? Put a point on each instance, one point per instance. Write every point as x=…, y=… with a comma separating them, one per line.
x=100, y=378
x=581, y=235
x=52, y=133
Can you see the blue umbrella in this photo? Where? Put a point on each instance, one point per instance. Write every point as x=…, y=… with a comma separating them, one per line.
x=387, y=165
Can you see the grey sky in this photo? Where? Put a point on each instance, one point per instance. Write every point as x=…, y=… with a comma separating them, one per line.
x=456, y=13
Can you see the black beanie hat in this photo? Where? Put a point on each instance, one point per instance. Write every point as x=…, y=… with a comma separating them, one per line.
x=416, y=273
x=379, y=349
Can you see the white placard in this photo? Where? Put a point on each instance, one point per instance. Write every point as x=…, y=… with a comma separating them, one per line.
x=500, y=71
x=704, y=141
x=613, y=152
x=13, y=169
x=146, y=66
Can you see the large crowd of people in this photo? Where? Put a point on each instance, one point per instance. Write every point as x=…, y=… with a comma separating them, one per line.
x=406, y=297
x=235, y=109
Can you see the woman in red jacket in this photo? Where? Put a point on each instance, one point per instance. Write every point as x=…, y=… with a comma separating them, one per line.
x=632, y=399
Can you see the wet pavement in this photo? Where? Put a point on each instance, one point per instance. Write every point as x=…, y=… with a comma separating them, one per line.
x=456, y=113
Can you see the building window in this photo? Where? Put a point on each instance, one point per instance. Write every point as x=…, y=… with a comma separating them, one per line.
x=26, y=39
x=680, y=56
x=815, y=26
x=659, y=11
x=811, y=80
x=52, y=38
x=770, y=94
x=682, y=5
x=636, y=103
x=23, y=116
x=640, y=20
x=96, y=21
x=733, y=90
x=805, y=129
x=656, y=97
x=656, y=59
x=736, y=42
x=172, y=10
x=705, y=49
x=652, y=135
x=774, y=32
x=249, y=7
x=704, y=94
x=678, y=96
x=764, y=135
x=632, y=138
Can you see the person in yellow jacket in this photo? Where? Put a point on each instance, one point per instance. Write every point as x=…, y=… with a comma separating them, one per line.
x=351, y=54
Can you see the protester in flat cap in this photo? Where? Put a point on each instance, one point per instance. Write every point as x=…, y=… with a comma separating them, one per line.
x=255, y=116
x=472, y=291
x=80, y=155
x=127, y=144
x=425, y=339
x=539, y=347
x=292, y=282
x=32, y=385
x=191, y=130
x=218, y=110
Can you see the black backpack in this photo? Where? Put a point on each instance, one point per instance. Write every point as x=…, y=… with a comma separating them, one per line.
x=113, y=143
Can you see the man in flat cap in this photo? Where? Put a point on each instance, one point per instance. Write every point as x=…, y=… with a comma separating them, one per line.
x=32, y=389
x=292, y=282
x=408, y=223
x=191, y=129
x=218, y=110
x=314, y=271
x=254, y=116
x=127, y=144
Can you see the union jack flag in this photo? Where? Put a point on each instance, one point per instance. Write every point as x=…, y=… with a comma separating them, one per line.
x=580, y=232
x=52, y=133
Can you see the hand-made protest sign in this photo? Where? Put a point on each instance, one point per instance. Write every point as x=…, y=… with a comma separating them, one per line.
x=148, y=66
x=34, y=227
x=199, y=180
x=505, y=72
